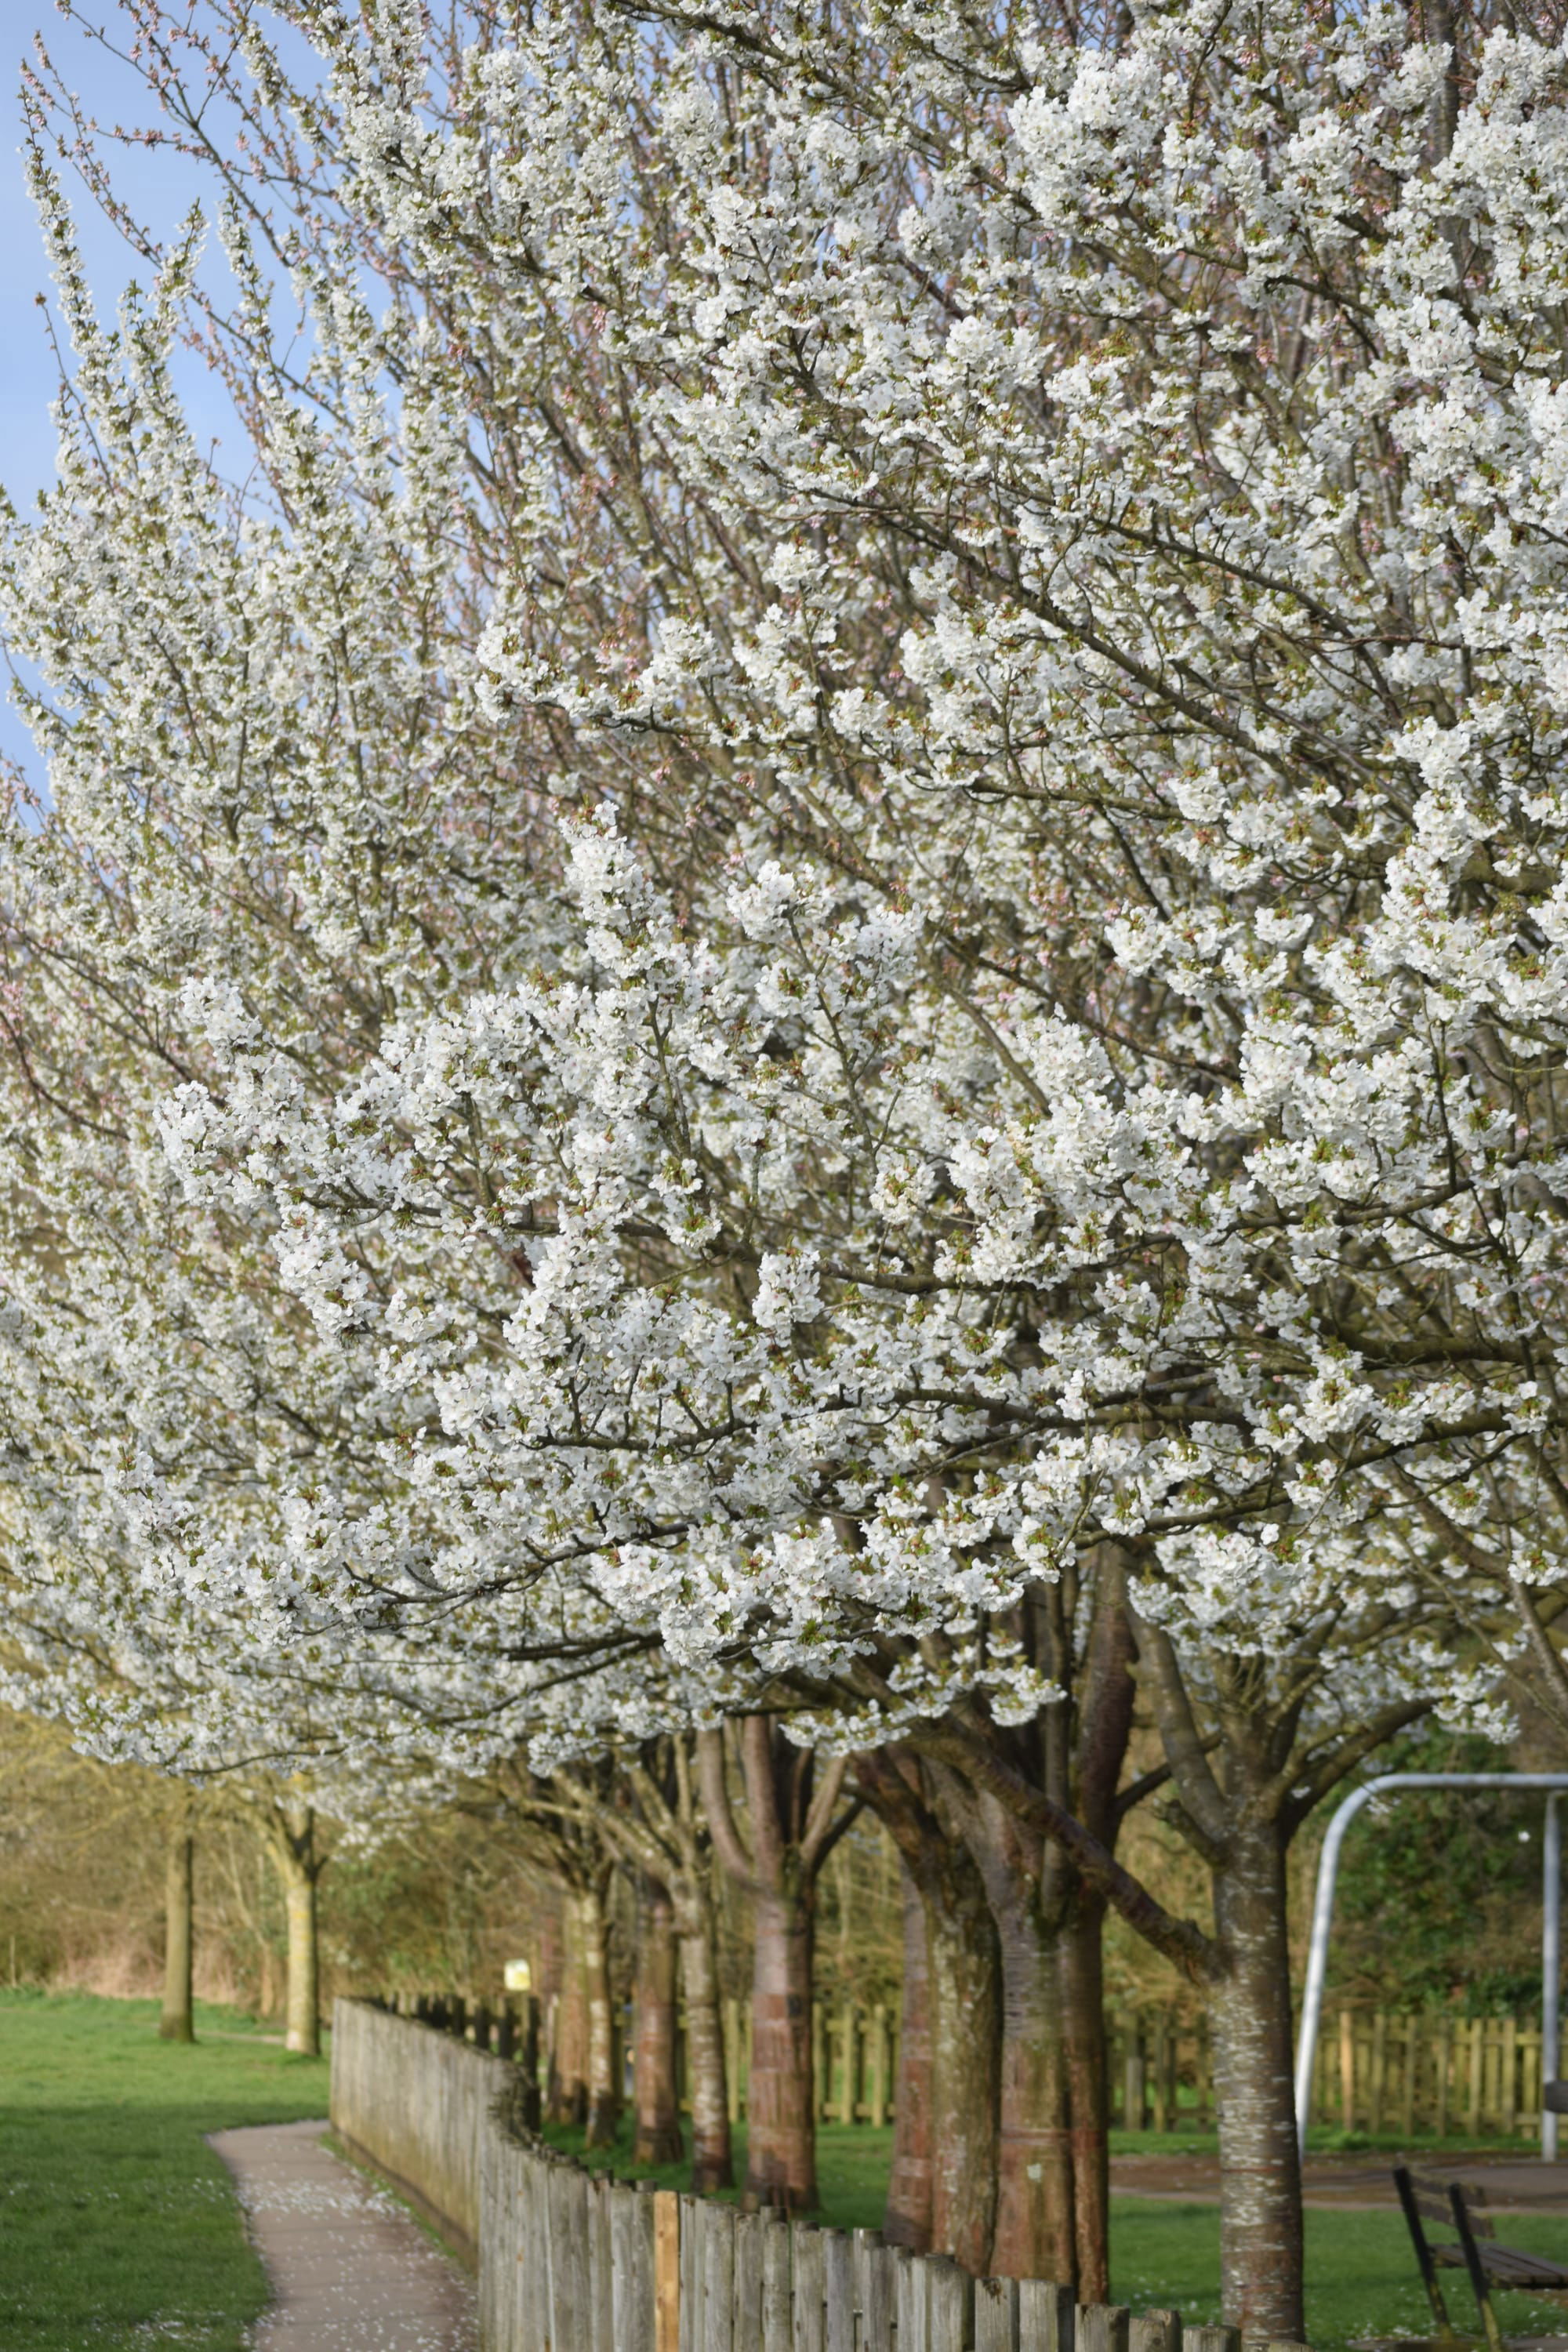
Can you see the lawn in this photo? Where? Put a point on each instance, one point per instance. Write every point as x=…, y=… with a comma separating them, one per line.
x=118, y=2225
x=1361, y=2278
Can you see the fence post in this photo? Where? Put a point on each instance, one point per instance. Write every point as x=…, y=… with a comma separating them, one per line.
x=805, y=2289
x=1211, y=2339
x=997, y=2314
x=1047, y=2317
x=1441, y=2119
x=837, y=2291
x=879, y=2084
x=666, y=2271
x=747, y=2323
x=873, y=2294
x=718, y=2243
x=949, y=2293
x=909, y=2299
x=601, y=2267
x=1102, y=2327
x=694, y=2213
x=633, y=2315
x=776, y=2265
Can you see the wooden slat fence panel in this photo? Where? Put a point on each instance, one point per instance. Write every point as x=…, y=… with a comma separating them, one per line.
x=570, y=2260
x=1381, y=2071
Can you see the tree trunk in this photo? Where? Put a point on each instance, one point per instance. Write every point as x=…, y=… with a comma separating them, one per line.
x=657, y=2136
x=1036, y=2232
x=268, y=2002
x=790, y=1807
x=907, y=2218
x=1083, y=2031
x=781, y=2132
x=965, y=1994
x=178, y=2020
x=1250, y=2028
x=292, y=1843
x=303, y=2030
x=712, y=2159
x=948, y=2089
x=568, y=2092
x=604, y=2090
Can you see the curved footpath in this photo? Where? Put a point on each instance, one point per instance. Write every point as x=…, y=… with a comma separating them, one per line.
x=351, y=2271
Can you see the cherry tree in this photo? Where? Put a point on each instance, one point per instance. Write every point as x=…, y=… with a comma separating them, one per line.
x=1026, y=553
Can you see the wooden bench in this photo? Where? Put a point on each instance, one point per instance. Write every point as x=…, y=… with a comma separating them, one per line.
x=1461, y=2206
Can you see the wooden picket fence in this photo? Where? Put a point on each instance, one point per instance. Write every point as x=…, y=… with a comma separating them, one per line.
x=1378, y=2071
x=570, y=2260
x=1381, y=2071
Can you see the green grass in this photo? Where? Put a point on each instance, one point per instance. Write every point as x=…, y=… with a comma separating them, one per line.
x=852, y=2165
x=118, y=2224
x=1361, y=2275
x=1360, y=2278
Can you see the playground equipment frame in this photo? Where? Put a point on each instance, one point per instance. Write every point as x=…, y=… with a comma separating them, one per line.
x=1555, y=1783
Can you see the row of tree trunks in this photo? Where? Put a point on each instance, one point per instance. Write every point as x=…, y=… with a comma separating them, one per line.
x=290, y=1834
x=1000, y=2144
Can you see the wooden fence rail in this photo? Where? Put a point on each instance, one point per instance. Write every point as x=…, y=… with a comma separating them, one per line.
x=570, y=2260
x=1377, y=2070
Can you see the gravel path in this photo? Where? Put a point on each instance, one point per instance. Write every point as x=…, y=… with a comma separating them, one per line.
x=349, y=2270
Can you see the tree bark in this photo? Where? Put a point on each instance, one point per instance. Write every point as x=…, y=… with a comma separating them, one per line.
x=177, y=2023
x=568, y=2086
x=713, y=2158
x=604, y=2106
x=1250, y=2035
x=1083, y=2033
x=963, y=1961
x=957, y=1946
x=302, y=2031
x=781, y=2121
x=907, y=2218
x=791, y=1814
x=657, y=2139
x=1036, y=2226
x=291, y=1840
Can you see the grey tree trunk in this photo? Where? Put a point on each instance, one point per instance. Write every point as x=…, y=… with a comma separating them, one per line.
x=298, y=1861
x=1250, y=2035
x=604, y=2090
x=964, y=1991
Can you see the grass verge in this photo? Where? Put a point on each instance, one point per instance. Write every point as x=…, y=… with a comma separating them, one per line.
x=120, y=2225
